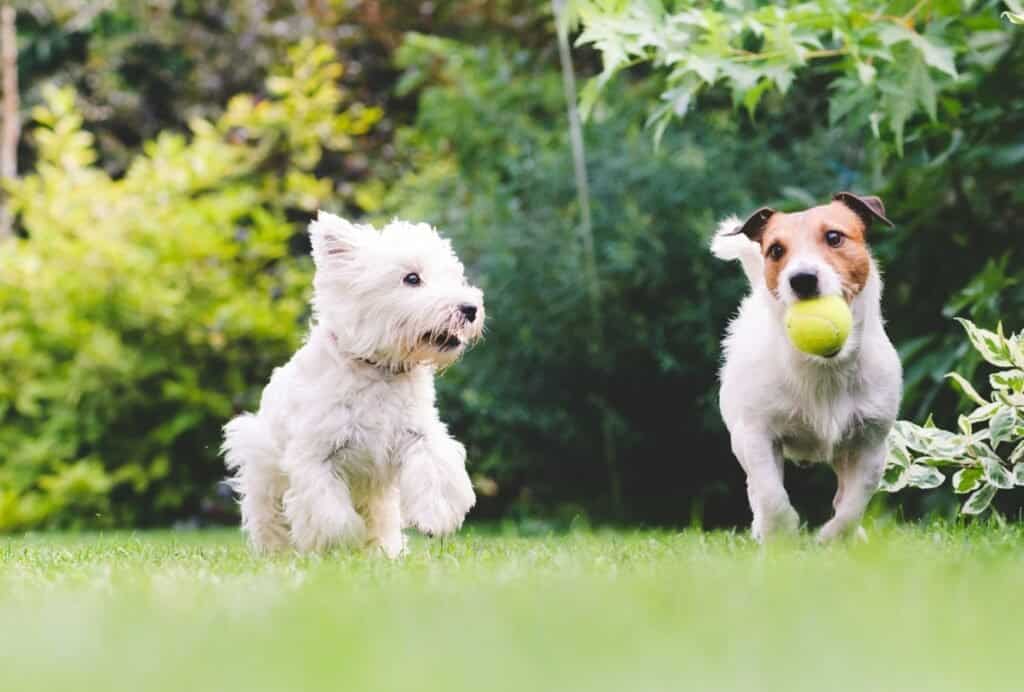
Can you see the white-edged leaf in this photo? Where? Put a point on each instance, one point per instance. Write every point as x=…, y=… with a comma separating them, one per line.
x=897, y=454
x=931, y=441
x=964, y=423
x=968, y=390
x=1017, y=349
x=980, y=450
x=1001, y=426
x=894, y=479
x=1018, y=473
x=1007, y=379
x=996, y=474
x=924, y=477
x=942, y=461
x=1008, y=398
x=979, y=501
x=1015, y=18
x=983, y=413
x=967, y=480
x=993, y=347
x=1018, y=453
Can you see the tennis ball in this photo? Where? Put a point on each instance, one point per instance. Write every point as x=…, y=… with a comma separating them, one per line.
x=819, y=325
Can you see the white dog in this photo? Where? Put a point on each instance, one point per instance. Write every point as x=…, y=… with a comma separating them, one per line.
x=777, y=401
x=347, y=447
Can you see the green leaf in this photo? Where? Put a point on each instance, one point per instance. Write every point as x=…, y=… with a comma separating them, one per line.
x=923, y=87
x=924, y=477
x=1015, y=18
x=866, y=72
x=969, y=391
x=996, y=474
x=1001, y=426
x=979, y=501
x=967, y=480
x=936, y=54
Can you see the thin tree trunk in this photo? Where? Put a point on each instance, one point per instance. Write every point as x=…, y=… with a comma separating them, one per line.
x=10, y=127
x=590, y=277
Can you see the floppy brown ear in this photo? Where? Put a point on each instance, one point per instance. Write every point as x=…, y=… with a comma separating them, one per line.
x=868, y=207
x=754, y=226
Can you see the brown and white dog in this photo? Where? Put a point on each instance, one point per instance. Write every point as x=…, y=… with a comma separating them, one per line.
x=780, y=402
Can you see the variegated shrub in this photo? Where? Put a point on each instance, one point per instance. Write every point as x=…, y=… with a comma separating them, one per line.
x=986, y=453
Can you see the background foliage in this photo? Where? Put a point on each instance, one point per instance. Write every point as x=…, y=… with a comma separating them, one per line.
x=159, y=273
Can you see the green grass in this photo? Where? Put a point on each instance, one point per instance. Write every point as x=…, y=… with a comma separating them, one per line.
x=930, y=608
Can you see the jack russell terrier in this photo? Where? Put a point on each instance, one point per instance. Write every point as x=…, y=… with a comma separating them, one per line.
x=780, y=402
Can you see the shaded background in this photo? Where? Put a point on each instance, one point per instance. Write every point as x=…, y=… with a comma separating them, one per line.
x=173, y=152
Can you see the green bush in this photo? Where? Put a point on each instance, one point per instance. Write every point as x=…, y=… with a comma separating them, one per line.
x=987, y=451
x=137, y=314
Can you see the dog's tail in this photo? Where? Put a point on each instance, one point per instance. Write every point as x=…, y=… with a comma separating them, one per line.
x=248, y=447
x=729, y=244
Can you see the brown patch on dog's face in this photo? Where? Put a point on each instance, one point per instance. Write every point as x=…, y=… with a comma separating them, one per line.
x=833, y=232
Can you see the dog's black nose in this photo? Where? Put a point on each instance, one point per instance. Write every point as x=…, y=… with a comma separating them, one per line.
x=805, y=284
x=468, y=311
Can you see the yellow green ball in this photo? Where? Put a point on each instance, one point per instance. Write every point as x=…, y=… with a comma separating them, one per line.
x=819, y=326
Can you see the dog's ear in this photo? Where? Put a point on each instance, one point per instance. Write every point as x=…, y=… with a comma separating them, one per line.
x=754, y=226
x=868, y=207
x=333, y=237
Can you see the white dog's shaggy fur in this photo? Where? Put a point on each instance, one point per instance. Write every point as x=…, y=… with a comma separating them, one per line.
x=777, y=401
x=347, y=447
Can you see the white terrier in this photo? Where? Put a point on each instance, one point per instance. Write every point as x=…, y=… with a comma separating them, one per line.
x=777, y=401
x=347, y=446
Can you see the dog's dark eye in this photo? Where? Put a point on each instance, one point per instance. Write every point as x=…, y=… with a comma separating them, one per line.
x=412, y=279
x=834, y=238
x=776, y=251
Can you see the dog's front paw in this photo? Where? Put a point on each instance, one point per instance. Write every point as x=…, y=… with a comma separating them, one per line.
x=836, y=529
x=437, y=508
x=316, y=530
x=392, y=547
x=440, y=514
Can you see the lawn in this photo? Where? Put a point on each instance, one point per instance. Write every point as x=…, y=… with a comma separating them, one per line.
x=917, y=607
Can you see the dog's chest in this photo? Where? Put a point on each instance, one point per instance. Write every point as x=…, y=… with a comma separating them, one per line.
x=377, y=420
x=814, y=418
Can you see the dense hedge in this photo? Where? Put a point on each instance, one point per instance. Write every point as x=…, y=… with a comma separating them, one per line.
x=137, y=314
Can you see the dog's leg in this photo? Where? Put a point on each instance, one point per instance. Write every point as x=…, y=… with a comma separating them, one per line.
x=436, y=492
x=262, y=490
x=858, y=474
x=252, y=455
x=318, y=503
x=762, y=459
x=384, y=521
